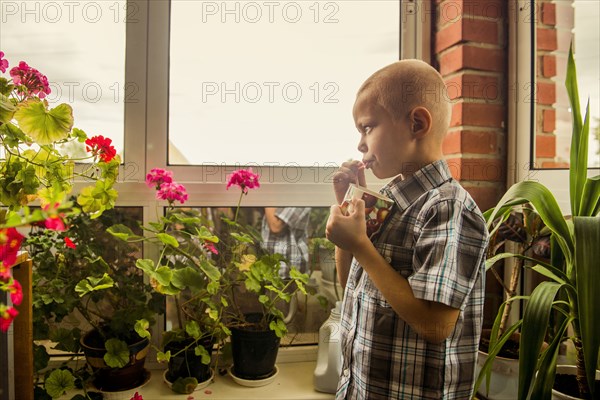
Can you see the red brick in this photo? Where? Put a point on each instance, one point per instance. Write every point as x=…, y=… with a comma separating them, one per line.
x=472, y=57
x=477, y=114
x=549, y=14
x=453, y=10
x=486, y=196
x=555, y=164
x=477, y=169
x=468, y=141
x=546, y=39
x=549, y=66
x=546, y=93
x=473, y=86
x=545, y=146
x=452, y=143
x=467, y=30
x=548, y=121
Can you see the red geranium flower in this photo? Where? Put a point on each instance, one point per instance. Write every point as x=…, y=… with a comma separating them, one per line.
x=7, y=314
x=16, y=292
x=101, y=147
x=10, y=243
x=69, y=243
x=158, y=176
x=172, y=191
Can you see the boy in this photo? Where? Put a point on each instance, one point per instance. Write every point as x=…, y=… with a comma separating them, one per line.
x=413, y=299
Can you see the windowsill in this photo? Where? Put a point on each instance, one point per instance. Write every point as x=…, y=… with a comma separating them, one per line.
x=293, y=382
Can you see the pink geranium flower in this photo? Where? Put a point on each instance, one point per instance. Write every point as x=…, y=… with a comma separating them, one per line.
x=172, y=191
x=245, y=179
x=137, y=396
x=7, y=314
x=16, y=292
x=211, y=247
x=29, y=81
x=101, y=147
x=10, y=243
x=3, y=63
x=157, y=176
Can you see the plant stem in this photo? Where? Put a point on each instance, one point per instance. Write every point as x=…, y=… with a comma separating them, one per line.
x=512, y=291
x=237, y=210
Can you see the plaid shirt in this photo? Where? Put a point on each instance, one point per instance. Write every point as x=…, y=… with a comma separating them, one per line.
x=435, y=237
x=292, y=242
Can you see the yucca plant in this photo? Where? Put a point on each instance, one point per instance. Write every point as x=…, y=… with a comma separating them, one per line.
x=573, y=288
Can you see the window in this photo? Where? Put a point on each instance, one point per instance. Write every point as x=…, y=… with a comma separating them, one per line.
x=80, y=47
x=539, y=119
x=273, y=81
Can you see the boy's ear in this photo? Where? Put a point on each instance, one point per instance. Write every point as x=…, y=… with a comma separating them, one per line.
x=420, y=122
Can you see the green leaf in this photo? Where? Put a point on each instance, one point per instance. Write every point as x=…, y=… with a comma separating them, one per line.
x=210, y=270
x=535, y=324
x=145, y=265
x=141, y=327
x=200, y=351
x=263, y=299
x=7, y=109
x=123, y=232
x=587, y=251
x=187, y=277
x=205, y=234
x=577, y=170
x=167, y=239
x=278, y=327
x=545, y=205
x=163, y=275
x=43, y=126
x=163, y=357
x=58, y=382
x=184, y=385
x=91, y=284
x=117, y=353
x=193, y=329
x=243, y=237
x=66, y=339
x=590, y=199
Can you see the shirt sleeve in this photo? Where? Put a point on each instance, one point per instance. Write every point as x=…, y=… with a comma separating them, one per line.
x=294, y=217
x=449, y=253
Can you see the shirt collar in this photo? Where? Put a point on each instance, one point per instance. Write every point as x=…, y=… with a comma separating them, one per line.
x=404, y=192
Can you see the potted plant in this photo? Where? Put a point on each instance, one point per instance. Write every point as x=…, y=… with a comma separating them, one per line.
x=186, y=276
x=572, y=272
x=88, y=296
x=34, y=166
x=249, y=270
x=524, y=233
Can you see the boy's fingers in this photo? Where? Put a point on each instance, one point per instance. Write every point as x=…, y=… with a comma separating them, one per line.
x=359, y=206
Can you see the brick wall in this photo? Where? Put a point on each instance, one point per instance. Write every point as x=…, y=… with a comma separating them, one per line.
x=471, y=53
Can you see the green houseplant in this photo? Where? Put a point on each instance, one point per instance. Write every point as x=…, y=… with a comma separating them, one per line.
x=185, y=275
x=88, y=296
x=573, y=286
x=36, y=169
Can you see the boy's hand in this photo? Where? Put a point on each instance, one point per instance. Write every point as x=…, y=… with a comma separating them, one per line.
x=347, y=232
x=350, y=172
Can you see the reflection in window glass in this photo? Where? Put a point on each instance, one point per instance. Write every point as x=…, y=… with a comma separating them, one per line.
x=80, y=47
x=301, y=239
x=577, y=22
x=272, y=82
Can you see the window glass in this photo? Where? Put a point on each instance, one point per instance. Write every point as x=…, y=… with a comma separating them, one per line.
x=576, y=21
x=80, y=47
x=305, y=245
x=272, y=82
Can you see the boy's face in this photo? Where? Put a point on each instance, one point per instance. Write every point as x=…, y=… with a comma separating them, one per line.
x=386, y=145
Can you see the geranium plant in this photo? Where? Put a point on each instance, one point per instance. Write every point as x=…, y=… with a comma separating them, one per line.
x=34, y=168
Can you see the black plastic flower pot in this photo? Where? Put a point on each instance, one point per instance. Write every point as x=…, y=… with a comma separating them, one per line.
x=254, y=351
x=186, y=364
x=109, y=379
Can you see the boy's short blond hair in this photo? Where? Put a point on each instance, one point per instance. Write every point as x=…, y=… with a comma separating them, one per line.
x=406, y=84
